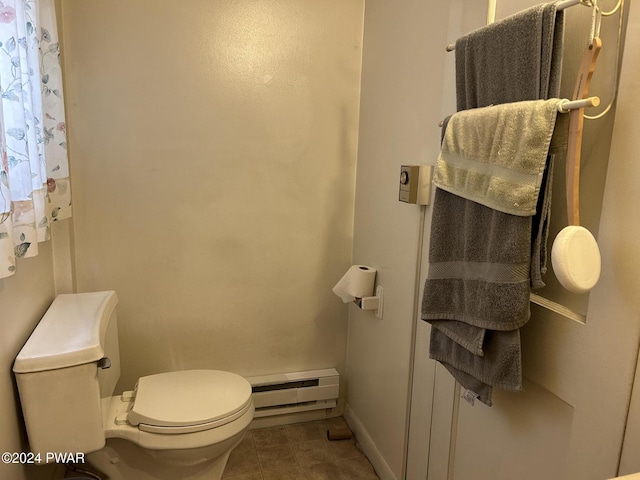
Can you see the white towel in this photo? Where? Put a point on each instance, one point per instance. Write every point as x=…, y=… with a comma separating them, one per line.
x=496, y=156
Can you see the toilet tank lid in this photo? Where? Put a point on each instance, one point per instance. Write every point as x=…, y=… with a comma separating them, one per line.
x=71, y=333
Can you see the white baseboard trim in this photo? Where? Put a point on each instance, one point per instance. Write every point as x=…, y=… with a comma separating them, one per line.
x=368, y=445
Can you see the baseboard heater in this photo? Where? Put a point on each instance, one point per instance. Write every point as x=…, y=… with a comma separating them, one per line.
x=285, y=393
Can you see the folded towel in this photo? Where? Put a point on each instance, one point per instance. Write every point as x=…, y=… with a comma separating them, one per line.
x=518, y=58
x=496, y=156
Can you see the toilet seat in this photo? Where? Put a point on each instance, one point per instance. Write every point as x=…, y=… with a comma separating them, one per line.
x=189, y=401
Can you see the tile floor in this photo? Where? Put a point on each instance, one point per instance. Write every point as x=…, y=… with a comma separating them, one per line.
x=298, y=452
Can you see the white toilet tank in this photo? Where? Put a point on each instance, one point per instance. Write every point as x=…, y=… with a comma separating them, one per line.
x=69, y=363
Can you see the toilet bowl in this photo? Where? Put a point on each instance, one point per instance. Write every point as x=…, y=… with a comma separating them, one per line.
x=175, y=425
x=180, y=424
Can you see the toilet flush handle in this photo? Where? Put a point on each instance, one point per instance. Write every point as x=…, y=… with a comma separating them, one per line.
x=104, y=362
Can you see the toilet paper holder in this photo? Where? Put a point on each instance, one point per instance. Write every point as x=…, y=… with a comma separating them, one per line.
x=371, y=303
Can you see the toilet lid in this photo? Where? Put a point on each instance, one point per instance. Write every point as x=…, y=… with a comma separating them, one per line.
x=189, y=397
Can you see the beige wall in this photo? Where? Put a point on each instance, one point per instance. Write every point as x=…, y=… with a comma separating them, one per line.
x=464, y=17
x=213, y=149
x=401, y=96
x=625, y=153
x=24, y=297
x=265, y=99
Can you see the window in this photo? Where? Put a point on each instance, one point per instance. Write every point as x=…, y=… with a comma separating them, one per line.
x=34, y=173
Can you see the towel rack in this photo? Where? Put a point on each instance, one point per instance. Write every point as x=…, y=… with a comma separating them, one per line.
x=566, y=106
x=560, y=6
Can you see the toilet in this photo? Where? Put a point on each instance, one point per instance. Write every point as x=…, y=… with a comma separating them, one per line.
x=173, y=425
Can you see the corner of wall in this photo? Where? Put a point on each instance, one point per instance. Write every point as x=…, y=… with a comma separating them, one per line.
x=24, y=297
x=368, y=445
x=63, y=259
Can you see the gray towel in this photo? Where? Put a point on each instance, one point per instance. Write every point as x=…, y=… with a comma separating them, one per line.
x=540, y=235
x=516, y=59
x=501, y=365
x=478, y=265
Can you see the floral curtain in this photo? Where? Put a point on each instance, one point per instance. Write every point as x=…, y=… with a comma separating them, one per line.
x=34, y=173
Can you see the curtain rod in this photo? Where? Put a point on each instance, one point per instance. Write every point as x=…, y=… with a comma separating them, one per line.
x=560, y=6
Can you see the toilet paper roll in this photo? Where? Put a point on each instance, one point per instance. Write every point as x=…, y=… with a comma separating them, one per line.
x=357, y=282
